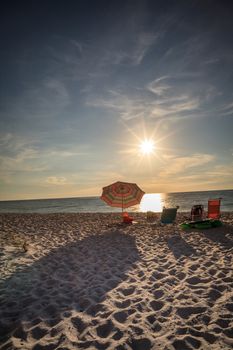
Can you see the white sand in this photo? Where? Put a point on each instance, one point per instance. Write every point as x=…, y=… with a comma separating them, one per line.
x=86, y=282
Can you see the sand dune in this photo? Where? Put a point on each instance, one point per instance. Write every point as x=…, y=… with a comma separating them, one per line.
x=86, y=282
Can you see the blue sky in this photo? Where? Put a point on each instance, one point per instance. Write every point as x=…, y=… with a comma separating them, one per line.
x=84, y=82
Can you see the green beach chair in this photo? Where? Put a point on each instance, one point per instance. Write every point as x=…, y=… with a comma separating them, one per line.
x=168, y=215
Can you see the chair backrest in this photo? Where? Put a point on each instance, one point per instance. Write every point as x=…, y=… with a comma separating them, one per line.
x=168, y=215
x=214, y=208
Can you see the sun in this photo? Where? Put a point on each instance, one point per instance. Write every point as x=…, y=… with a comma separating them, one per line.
x=147, y=147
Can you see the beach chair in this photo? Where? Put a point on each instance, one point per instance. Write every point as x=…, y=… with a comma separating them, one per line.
x=126, y=218
x=214, y=208
x=168, y=215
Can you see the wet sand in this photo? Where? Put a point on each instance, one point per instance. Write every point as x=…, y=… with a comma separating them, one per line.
x=85, y=281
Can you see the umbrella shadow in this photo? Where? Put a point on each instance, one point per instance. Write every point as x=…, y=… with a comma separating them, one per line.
x=180, y=247
x=73, y=277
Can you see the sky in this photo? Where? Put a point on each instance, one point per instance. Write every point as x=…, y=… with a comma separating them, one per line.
x=83, y=83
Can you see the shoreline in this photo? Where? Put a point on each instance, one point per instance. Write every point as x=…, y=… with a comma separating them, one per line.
x=88, y=282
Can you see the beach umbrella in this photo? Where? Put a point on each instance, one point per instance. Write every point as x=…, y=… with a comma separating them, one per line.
x=122, y=194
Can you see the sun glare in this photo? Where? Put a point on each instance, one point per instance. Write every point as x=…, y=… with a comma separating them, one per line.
x=147, y=147
x=151, y=202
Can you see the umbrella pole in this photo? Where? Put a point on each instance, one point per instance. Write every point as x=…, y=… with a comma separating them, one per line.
x=122, y=204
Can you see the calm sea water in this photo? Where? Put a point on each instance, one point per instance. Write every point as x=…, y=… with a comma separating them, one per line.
x=151, y=201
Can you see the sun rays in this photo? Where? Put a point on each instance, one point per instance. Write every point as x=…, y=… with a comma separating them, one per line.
x=144, y=147
x=147, y=147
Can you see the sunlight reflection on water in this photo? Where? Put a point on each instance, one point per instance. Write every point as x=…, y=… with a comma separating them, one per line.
x=151, y=202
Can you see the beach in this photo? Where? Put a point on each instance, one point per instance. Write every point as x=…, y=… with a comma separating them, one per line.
x=86, y=281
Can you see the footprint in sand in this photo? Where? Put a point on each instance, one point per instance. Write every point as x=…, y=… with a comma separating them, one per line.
x=212, y=272
x=228, y=332
x=156, y=305
x=209, y=337
x=120, y=316
x=220, y=287
x=38, y=332
x=194, y=267
x=104, y=330
x=194, y=280
x=151, y=319
x=122, y=304
x=167, y=312
x=214, y=294
x=154, y=324
x=172, y=272
x=181, y=275
x=183, y=344
x=20, y=333
x=139, y=344
x=158, y=293
x=186, y=312
x=95, y=309
x=229, y=306
x=55, y=331
x=79, y=324
x=117, y=335
x=223, y=323
x=158, y=275
x=127, y=291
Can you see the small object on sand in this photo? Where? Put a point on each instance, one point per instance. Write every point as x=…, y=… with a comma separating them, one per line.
x=25, y=246
x=151, y=216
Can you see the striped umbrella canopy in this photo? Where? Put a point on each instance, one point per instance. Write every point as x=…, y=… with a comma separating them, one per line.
x=122, y=194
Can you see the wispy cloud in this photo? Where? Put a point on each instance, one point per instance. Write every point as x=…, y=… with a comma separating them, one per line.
x=197, y=172
x=24, y=161
x=159, y=86
x=46, y=99
x=227, y=109
x=25, y=155
x=216, y=177
x=37, y=105
x=179, y=165
x=134, y=52
x=159, y=98
x=56, y=180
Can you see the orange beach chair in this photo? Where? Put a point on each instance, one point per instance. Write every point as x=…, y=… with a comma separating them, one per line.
x=126, y=218
x=214, y=208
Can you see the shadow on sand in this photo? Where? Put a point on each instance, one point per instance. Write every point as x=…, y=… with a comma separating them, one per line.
x=221, y=235
x=75, y=277
x=180, y=247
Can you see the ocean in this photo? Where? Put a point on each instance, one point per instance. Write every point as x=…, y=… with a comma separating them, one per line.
x=150, y=201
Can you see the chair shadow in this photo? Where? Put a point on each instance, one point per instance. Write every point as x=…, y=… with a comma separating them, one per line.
x=73, y=277
x=179, y=247
x=222, y=235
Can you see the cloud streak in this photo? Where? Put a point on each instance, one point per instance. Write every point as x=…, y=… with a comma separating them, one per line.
x=55, y=180
x=179, y=165
x=158, y=99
